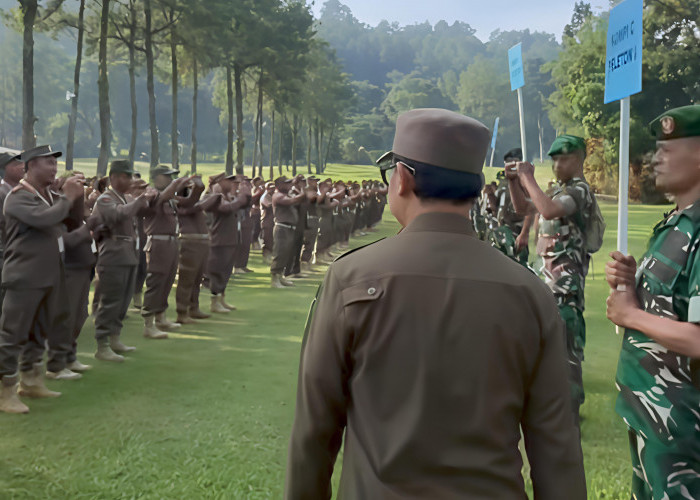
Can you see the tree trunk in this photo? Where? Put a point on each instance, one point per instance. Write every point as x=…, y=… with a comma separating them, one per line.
x=195, y=86
x=328, y=147
x=279, y=148
x=272, y=144
x=103, y=88
x=539, y=130
x=174, y=139
x=295, y=132
x=261, y=154
x=132, y=83
x=240, y=142
x=308, y=150
x=29, y=8
x=155, y=153
x=76, y=89
x=319, y=144
x=229, y=141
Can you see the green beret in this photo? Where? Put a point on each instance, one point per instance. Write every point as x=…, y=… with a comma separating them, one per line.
x=121, y=167
x=565, y=144
x=677, y=123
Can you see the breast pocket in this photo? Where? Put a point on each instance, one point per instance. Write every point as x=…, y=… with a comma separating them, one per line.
x=666, y=264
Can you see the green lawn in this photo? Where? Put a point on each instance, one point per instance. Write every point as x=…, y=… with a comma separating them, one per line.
x=208, y=412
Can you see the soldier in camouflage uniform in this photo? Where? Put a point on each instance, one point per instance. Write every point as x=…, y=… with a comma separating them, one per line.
x=512, y=232
x=560, y=240
x=658, y=304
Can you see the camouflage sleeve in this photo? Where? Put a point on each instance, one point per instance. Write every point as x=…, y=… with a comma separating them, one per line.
x=694, y=283
x=575, y=197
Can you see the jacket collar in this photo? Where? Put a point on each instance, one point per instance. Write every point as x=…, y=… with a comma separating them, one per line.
x=441, y=222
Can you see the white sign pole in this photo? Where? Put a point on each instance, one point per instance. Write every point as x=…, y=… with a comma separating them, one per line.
x=622, y=213
x=624, y=174
x=523, y=142
x=493, y=150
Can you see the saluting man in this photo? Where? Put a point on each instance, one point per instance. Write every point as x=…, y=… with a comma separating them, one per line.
x=35, y=308
x=658, y=304
x=561, y=241
x=431, y=350
x=162, y=251
x=118, y=246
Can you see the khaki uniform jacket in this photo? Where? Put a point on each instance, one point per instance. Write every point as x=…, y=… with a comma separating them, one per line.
x=118, y=214
x=224, y=229
x=430, y=350
x=33, y=229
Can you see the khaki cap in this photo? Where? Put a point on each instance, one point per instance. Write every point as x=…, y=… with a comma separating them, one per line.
x=441, y=138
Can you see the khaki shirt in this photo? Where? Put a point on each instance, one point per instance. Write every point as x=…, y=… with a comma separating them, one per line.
x=34, y=229
x=430, y=350
x=120, y=246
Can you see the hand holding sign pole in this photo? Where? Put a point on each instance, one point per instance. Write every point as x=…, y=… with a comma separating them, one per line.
x=517, y=82
x=623, y=77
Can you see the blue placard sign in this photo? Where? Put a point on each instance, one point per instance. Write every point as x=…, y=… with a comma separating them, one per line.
x=515, y=63
x=495, y=133
x=623, y=60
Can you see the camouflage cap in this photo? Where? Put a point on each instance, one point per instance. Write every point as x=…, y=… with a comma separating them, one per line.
x=677, y=123
x=565, y=144
x=121, y=167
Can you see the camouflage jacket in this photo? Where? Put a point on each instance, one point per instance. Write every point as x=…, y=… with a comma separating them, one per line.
x=507, y=216
x=564, y=236
x=660, y=389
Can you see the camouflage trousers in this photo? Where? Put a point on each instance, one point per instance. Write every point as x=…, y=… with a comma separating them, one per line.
x=661, y=471
x=566, y=280
x=503, y=239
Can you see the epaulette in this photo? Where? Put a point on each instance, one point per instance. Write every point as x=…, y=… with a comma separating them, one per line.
x=356, y=249
x=693, y=212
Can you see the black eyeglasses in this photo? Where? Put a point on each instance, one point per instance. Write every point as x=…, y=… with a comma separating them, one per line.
x=392, y=166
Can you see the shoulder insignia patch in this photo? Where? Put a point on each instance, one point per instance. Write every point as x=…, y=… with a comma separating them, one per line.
x=356, y=249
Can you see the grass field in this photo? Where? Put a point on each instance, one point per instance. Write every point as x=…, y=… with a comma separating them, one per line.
x=207, y=413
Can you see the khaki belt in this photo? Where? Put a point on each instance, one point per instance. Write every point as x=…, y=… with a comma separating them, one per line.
x=192, y=236
x=163, y=237
x=288, y=226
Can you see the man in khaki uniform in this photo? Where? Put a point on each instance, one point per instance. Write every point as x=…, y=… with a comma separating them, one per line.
x=225, y=237
x=194, y=251
x=118, y=245
x=431, y=350
x=162, y=251
x=284, y=206
x=12, y=170
x=35, y=310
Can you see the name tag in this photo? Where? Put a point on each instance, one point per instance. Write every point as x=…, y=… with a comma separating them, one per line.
x=61, y=247
x=138, y=243
x=93, y=247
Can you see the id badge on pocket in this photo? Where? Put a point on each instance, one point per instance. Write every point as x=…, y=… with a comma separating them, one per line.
x=61, y=246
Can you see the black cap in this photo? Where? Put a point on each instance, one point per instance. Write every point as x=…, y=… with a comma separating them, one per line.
x=7, y=156
x=121, y=167
x=514, y=153
x=39, y=152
